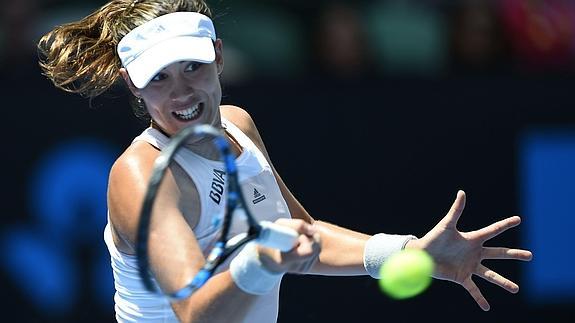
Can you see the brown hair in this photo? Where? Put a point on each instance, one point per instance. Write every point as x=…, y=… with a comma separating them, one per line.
x=80, y=57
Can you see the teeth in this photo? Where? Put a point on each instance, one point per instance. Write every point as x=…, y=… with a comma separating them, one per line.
x=188, y=113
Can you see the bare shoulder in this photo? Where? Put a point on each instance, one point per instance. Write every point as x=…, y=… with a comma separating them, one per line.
x=127, y=184
x=136, y=160
x=129, y=176
x=243, y=120
x=240, y=117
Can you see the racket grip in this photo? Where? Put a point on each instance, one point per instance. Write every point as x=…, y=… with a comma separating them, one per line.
x=277, y=236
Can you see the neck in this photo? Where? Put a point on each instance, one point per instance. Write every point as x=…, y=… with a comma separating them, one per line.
x=154, y=125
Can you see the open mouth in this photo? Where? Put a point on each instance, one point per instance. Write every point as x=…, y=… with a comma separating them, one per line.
x=189, y=113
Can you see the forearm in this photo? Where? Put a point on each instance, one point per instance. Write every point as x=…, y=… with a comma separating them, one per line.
x=229, y=296
x=350, y=253
x=220, y=300
x=342, y=251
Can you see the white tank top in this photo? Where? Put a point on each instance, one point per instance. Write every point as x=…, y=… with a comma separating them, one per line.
x=133, y=303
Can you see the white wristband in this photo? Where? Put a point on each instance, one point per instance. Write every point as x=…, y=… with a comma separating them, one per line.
x=379, y=247
x=249, y=274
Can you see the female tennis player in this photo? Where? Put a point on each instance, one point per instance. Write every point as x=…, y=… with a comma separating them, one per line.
x=168, y=55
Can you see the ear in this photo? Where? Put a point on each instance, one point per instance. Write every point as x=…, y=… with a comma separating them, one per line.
x=135, y=91
x=219, y=48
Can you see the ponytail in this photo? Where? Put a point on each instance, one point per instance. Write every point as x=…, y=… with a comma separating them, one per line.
x=80, y=57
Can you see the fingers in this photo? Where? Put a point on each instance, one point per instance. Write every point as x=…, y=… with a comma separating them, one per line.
x=497, y=279
x=450, y=220
x=506, y=253
x=298, y=225
x=474, y=291
x=497, y=228
x=299, y=260
x=308, y=245
x=307, y=249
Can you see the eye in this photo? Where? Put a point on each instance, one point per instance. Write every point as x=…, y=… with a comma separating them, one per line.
x=158, y=77
x=193, y=66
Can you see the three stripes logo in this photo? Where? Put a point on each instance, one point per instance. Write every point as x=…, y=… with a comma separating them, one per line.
x=258, y=197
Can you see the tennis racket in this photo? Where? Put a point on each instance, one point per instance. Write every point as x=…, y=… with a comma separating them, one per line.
x=264, y=232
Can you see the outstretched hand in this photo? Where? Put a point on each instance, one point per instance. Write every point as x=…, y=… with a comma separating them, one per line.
x=458, y=255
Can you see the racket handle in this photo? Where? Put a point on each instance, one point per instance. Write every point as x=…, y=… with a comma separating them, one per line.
x=277, y=236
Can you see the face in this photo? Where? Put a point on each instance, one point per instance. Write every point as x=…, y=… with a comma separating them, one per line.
x=184, y=93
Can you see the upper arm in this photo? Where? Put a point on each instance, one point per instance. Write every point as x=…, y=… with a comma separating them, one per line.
x=244, y=122
x=174, y=253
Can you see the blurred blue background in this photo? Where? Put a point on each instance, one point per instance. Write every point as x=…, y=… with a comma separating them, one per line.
x=434, y=95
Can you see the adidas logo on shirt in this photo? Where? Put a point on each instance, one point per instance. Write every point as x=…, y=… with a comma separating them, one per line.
x=258, y=197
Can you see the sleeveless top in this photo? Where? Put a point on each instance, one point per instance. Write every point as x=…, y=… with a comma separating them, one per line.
x=133, y=303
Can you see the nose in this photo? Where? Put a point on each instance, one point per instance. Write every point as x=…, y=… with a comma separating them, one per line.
x=180, y=90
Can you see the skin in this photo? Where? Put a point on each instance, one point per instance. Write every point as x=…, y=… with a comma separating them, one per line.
x=322, y=248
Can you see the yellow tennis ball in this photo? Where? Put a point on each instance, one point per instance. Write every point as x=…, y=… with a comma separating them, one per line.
x=406, y=273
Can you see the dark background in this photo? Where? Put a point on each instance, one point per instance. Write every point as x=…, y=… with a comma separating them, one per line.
x=370, y=132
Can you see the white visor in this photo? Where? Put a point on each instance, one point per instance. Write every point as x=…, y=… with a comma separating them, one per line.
x=175, y=37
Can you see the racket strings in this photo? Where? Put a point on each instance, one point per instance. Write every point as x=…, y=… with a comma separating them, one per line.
x=223, y=247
